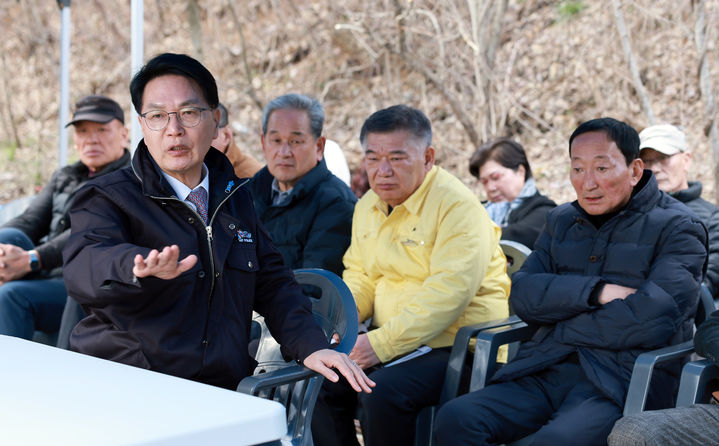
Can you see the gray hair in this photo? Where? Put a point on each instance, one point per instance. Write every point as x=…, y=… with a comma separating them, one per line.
x=398, y=117
x=296, y=101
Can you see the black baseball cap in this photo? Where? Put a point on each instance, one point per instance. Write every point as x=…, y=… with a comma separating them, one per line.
x=97, y=108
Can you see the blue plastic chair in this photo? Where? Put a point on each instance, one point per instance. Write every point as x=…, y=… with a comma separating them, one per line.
x=291, y=384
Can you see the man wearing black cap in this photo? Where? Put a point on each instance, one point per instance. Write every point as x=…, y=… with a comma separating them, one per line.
x=32, y=291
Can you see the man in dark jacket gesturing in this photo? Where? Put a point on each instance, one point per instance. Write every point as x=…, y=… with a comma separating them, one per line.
x=306, y=209
x=613, y=274
x=32, y=292
x=168, y=257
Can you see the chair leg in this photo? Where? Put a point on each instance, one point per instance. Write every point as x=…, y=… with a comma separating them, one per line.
x=425, y=426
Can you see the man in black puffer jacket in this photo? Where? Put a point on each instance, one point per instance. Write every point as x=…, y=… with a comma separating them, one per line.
x=32, y=292
x=614, y=274
x=664, y=150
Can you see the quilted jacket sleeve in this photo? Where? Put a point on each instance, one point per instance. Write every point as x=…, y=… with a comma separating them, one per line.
x=651, y=316
x=98, y=260
x=540, y=295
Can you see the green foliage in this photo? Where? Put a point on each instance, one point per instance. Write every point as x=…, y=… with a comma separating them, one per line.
x=569, y=8
x=8, y=149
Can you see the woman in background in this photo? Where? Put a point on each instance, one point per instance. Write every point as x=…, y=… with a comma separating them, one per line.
x=514, y=202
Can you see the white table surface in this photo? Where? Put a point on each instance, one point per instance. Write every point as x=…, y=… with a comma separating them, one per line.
x=50, y=396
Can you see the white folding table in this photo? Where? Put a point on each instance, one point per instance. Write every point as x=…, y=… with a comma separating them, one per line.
x=54, y=396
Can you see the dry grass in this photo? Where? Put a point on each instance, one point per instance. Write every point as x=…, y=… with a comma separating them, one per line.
x=555, y=65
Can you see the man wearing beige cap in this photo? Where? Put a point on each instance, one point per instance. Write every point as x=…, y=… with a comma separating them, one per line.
x=32, y=291
x=664, y=150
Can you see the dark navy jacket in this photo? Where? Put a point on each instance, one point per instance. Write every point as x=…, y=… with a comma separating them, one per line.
x=314, y=228
x=654, y=245
x=197, y=325
x=708, y=213
x=525, y=223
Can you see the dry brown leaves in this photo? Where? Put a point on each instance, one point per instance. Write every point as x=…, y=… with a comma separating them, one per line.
x=551, y=71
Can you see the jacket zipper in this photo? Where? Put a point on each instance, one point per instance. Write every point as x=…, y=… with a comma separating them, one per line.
x=208, y=228
x=208, y=231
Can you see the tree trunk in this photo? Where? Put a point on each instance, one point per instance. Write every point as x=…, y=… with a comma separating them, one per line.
x=627, y=46
x=193, y=13
x=705, y=84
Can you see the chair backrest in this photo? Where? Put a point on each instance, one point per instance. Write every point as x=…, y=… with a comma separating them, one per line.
x=72, y=314
x=14, y=208
x=336, y=312
x=706, y=305
x=334, y=309
x=516, y=253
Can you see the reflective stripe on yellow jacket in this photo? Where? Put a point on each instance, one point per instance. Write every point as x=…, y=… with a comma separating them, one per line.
x=430, y=267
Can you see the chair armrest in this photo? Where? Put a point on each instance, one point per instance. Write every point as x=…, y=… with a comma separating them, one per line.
x=455, y=365
x=642, y=373
x=695, y=377
x=253, y=385
x=488, y=343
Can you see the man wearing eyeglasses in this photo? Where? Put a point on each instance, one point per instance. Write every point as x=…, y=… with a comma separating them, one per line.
x=32, y=292
x=664, y=150
x=168, y=257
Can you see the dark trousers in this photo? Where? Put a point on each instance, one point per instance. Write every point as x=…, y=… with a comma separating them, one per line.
x=389, y=413
x=559, y=403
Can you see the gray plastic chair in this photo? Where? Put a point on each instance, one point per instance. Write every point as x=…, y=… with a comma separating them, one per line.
x=516, y=253
x=644, y=365
x=14, y=208
x=71, y=315
x=694, y=382
x=289, y=383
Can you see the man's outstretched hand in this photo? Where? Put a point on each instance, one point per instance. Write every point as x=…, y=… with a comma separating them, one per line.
x=163, y=264
x=323, y=361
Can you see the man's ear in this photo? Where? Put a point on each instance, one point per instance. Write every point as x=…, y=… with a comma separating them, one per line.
x=637, y=167
x=321, y=148
x=216, y=117
x=428, y=158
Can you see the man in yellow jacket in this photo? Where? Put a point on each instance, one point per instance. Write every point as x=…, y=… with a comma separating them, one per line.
x=424, y=260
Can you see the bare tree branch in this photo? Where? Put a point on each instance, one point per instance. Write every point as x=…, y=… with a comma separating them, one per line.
x=705, y=84
x=193, y=13
x=8, y=102
x=626, y=45
x=248, y=72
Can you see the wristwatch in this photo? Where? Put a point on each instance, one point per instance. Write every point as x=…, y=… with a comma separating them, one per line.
x=34, y=261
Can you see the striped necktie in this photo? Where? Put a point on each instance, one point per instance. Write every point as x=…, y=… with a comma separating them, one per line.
x=198, y=197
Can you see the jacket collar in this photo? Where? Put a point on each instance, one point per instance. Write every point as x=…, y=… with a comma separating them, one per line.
x=222, y=176
x=414, y=202
x=307, y=183
x=693, y=192
x=80, y=169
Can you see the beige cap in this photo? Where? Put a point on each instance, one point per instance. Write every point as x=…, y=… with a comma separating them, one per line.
x=664, y=138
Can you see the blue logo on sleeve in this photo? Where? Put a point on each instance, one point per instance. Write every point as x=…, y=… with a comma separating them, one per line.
x=229, y=186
